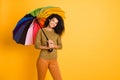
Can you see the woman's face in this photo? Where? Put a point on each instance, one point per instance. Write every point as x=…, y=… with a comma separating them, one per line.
x=53, y=22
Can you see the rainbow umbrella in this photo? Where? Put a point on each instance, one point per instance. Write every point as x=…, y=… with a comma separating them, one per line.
x=27, y=27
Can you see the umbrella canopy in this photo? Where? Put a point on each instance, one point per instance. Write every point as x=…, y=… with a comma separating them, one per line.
x=27, y=27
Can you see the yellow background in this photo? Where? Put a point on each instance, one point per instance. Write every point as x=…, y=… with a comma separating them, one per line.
x=91, y=42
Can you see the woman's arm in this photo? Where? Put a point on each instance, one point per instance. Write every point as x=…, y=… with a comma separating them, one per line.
x=38, y=40
x=44, y=47
x=59, y=43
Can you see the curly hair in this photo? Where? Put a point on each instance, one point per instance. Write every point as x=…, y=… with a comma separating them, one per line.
x=59, y=29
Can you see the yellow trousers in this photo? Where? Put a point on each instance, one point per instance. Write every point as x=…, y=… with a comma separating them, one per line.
x=52, y=65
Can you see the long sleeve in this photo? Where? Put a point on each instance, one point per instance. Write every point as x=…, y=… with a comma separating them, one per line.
x=59, y=43
x=38, y=40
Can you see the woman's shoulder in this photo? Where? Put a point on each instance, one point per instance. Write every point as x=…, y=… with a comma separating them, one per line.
x=39, y=30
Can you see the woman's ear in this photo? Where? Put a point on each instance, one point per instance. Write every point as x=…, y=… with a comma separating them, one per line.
x=49, y=19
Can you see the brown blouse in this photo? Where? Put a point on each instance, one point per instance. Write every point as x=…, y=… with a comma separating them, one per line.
x=41, y=40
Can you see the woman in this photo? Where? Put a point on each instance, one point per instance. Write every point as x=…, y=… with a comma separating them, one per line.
x=54, y=27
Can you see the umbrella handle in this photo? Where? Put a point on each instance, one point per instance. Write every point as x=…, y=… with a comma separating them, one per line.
x=49, y=50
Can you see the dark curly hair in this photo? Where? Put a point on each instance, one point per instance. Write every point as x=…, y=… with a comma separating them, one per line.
x=59, y=29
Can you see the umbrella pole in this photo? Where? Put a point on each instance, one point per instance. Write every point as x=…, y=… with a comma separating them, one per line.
x=50, y=50
x=42, y=29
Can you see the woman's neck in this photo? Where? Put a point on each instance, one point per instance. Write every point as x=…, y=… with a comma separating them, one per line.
x=49, y=28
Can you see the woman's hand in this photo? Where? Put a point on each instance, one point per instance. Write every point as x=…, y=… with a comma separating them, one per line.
x=51, y=44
